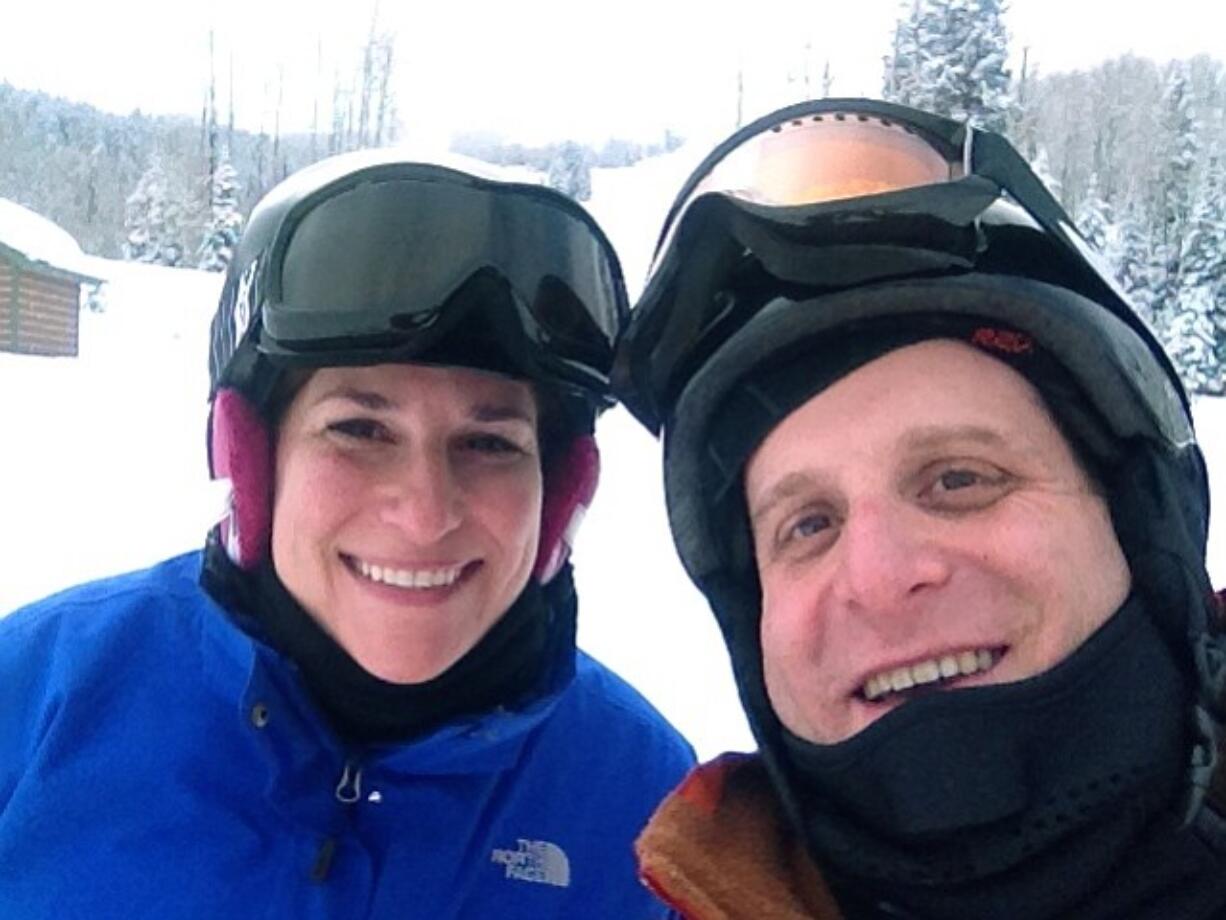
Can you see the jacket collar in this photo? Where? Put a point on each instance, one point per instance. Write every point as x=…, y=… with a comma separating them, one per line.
x=719, y=846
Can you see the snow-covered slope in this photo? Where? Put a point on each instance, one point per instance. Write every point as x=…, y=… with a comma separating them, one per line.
x=104, y=469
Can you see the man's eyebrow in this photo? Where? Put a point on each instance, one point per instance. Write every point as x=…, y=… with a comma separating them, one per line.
x=930, y=436
x=789, y=486
x=922, y=438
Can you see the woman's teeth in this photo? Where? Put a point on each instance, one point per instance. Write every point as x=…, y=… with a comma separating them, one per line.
x=931, y=671
x=410, y=578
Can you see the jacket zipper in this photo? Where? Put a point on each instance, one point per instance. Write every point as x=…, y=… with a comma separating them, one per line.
x=348, y=792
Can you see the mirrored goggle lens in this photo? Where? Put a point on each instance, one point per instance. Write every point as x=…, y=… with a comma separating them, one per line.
x=382, y=257
x=823, y=157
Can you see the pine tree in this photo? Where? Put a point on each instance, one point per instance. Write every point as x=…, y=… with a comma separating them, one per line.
x=1202, y=287
x=1174, y=190
x=226, y=221
x=1094, y=220
x=570, y=173
x=950, y=57
x=1134, y=262
x=152, y=220
x=1041, y=166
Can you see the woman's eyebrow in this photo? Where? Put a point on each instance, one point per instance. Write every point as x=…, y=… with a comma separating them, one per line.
x=500, y=412
x=367, y=399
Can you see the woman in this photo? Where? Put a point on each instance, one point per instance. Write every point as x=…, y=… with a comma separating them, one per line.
x=363, y=698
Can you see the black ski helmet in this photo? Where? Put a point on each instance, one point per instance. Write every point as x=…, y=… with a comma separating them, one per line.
x=760, y=263
x=739, y=281
x=371, y=258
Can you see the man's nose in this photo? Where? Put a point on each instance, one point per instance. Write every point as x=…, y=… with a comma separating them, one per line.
x=888, y=556
x=423, y=498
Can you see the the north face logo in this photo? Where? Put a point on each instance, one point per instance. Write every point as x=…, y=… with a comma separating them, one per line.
x=536, y=861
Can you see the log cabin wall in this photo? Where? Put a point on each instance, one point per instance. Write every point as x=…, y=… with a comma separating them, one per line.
x=39, y=308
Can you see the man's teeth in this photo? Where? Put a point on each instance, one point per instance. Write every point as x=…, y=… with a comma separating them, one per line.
x=410, y=578
x=928, y=672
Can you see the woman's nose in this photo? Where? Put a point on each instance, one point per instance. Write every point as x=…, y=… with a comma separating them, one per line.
x=424, y=500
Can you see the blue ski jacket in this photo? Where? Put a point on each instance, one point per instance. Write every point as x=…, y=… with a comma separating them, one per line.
x=158, y=761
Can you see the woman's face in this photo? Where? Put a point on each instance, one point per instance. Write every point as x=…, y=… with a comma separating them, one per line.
x=407, y=509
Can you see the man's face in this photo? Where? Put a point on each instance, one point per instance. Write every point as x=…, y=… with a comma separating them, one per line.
x=921, y=525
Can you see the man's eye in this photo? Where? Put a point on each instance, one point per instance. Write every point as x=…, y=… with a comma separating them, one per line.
x=951, y=480
x=806, y=527
x=964, y=487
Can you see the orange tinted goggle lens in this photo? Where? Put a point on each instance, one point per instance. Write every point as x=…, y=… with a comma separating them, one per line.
x=827, y=157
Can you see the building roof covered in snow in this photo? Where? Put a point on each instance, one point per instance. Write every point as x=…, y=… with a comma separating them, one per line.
x=35, y=239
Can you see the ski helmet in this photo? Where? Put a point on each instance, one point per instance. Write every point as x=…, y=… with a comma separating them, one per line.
x=819, y=234
x=825, y=216
x=370, y=258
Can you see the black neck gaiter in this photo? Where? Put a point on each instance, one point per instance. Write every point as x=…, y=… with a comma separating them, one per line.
x=1010, y=800
x=509, y=661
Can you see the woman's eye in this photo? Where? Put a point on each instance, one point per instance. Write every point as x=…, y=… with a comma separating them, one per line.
x=491, y=444
x=360, y=429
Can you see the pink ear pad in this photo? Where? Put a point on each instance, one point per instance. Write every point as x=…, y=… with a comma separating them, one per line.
x=569, y=487
x=240, y=451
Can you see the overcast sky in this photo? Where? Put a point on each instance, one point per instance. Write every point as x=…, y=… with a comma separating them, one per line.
x=537, y=69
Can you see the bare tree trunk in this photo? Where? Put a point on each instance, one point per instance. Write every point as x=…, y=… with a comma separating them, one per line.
x=230, y=121
x=384, y=80
x=278, y=167
x=212, y=119
x=319, y=72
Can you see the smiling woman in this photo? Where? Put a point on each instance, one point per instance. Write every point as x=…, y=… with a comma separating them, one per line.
x=364, y=695
x=407, y=510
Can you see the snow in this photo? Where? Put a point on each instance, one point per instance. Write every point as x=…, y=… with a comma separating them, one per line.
x=105, y=468
x=41, y=240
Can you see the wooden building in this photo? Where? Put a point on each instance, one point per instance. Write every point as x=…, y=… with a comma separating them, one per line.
x=41, y=272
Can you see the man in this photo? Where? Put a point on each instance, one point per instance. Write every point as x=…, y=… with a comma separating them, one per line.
x=941, y=487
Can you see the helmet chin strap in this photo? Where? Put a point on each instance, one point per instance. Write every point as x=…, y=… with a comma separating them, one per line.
x=240, y=450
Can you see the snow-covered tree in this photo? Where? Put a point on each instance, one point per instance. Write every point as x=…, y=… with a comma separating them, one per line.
x=1190, y=341
x=1202, y=288
x=1094, y=220
x=950, y=57
x=570, y=173
x=152, y=220
x=226, y=221
x=1174, y=189
x=1135, y=266
x=1041, y=166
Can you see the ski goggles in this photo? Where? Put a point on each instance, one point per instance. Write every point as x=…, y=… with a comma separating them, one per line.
x=366, y=267
x=825, y=196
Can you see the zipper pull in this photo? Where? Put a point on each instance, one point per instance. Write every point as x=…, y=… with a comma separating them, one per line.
x=349, y=789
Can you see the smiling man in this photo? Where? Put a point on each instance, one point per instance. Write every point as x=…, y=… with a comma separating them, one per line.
x=941, y=487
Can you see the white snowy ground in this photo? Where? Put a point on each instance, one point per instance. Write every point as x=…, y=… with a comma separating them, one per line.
x=102, y=469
